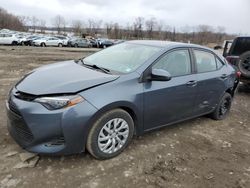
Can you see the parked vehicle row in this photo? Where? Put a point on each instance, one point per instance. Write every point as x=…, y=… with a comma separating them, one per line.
x=8, y=37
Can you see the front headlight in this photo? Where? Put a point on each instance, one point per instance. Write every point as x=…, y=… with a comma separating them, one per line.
x=54, y=103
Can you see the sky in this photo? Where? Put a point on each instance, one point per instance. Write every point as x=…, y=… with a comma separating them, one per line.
x=233, y=15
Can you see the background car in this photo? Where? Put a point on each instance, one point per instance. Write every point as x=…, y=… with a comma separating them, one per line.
x=237, y=52
x=29, y=40
x=80, y=43
x=94, y=43
x=63, y=38
x=105, y=43
x=7, y=38
x=48, y=41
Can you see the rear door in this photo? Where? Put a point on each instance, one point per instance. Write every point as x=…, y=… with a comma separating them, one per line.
x=212, y=75
x=170, y=101
x=52, y=42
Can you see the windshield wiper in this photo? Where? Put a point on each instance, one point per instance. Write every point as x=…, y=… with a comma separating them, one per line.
x=105, y=70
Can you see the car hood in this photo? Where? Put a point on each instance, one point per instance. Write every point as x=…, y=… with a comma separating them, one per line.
x=62, y=78
x=39, y=40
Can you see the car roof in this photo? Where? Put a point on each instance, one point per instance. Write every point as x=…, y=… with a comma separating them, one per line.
x=165, y=44
x=243, y=37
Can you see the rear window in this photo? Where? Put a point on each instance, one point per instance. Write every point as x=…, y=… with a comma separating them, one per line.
x=240, y=45
x=205, y=61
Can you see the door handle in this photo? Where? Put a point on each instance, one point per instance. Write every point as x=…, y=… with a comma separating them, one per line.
x=191, y=83
x=224, y=76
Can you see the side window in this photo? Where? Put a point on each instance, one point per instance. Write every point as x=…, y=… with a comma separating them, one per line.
x=219, y=63
x=177, y=63
x=205, y=61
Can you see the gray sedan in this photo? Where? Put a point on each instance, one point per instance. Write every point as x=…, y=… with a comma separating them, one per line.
x=80, y=43
x=101, y=101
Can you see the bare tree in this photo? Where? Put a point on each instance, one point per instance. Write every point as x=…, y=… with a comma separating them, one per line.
x=60, y=23
x=150, y=26
x=109, y=27
x=138, y=27
x=10, y=21
x=34, y=22
x=42, y=25
x=117, y=32
x=96, y=25
x=77, y=26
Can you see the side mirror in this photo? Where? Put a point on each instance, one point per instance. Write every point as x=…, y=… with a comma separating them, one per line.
x=160, y=75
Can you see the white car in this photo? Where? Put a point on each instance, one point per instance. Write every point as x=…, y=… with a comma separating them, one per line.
x=64, y=39
x=48, y=41
x=6, y=38
x=22, y=40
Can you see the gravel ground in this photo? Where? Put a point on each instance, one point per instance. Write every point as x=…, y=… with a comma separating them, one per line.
x=196, y=153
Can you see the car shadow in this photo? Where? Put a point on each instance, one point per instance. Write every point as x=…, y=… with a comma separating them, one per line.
x=243, y=88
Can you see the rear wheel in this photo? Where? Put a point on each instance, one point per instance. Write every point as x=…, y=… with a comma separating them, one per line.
x=110, y=134
x=43, y=44
x=223, y=107
x=60, y=45
x=76, y=45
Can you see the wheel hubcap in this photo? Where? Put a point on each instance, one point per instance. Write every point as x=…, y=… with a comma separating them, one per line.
x=113, y=135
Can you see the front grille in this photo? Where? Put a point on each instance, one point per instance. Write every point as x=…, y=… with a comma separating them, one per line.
x=18, y=124
x=22, y=131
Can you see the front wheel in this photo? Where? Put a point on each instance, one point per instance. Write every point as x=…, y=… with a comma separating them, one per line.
x=223, y=107
x=110, y=134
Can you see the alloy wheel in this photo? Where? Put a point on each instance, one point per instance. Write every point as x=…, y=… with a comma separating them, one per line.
x=113, y=135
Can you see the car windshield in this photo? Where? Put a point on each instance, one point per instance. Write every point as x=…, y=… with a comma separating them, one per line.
x=124, y=58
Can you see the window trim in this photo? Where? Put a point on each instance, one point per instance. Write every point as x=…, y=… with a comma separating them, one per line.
x=149, y=68
x=207, y=51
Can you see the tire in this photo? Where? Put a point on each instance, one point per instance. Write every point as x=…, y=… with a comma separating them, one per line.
x=76, y=45
x=60, y=45
x=14, y=43
x=22, y=43
x=222, y=108
x=247, y=86
x=104, y=46
x=244, y=64
x=99, y=131
x=43, y=44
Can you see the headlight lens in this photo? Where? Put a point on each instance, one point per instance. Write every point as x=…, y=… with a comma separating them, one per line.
x=54, y=103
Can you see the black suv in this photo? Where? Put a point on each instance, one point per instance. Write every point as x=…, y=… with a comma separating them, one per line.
x=237, y=52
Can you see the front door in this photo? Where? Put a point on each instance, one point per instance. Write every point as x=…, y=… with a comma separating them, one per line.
x=170, y=101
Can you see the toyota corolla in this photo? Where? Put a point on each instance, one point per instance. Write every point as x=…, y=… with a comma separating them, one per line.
x=101, y=101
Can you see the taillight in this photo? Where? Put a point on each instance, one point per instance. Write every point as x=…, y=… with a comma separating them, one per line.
x=238, y=73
